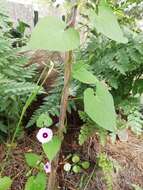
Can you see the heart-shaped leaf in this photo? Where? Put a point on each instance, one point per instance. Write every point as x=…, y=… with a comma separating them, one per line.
x=51, y=148
x=99, y=106
x=36, y=183
x=80, y=73
x=106, y=22
x=50, y=33
x=32, y=159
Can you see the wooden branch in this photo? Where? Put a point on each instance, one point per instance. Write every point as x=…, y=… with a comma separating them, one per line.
x=53, y=181
x=65, y=94
x=67, y=74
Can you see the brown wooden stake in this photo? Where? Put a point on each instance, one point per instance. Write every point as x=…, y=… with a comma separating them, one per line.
x=53, y=180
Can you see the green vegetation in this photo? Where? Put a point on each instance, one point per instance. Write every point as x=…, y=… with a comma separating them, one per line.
x=98, y=85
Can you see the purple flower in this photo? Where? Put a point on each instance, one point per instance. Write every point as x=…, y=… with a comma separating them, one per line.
x=44, y=135
x=47, y=167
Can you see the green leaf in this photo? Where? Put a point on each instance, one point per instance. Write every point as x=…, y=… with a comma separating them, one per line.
x=51, y=148
x=76, y=169
x=5, y=183
x=30, y=184
x=41, y=180
x=3, y=128
x=86, y=131
x=50, y=34
x=44, y=120
x=85, y=165
x=99, y=106
x=106, y=22
x=38, y=182
x=83, y=75
x=32, y=159
x=75, y=159
x=138, y=87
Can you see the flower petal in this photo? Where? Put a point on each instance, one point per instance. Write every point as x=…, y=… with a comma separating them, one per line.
x=44, y=135
x=47, y=167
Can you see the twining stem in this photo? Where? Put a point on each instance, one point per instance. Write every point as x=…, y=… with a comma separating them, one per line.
x=65, y=94
x=53, y=181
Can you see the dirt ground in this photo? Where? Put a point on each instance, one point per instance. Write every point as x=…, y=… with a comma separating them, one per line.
x=129, y=156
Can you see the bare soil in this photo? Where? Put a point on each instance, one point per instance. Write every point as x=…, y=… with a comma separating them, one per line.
x=129, y=155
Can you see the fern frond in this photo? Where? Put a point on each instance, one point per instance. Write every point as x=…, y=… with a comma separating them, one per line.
x=51, y=103
x=11, y=88
x=86, y=132
x=118, y=64
x=88, y=128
